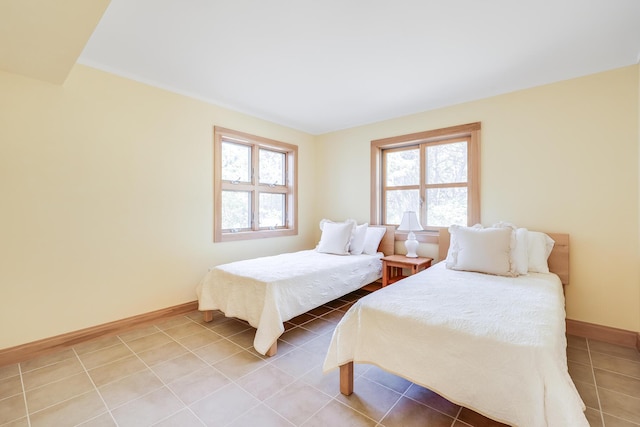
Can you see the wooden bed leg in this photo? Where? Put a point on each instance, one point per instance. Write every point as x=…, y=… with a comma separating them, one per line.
x=346, y=378
x=272, y=350
x=207, y=315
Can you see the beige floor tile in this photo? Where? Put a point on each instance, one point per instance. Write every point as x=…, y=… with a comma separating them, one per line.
x=611, y=421
x=105, y=355
x=22, y=422
x=10, y=386
x=137, y=333
x=104, y=420
x=593, y=417
x=298, y=336
x=12, y=408
x=244, y=339
x=114, y=371
x=230, y=327
x=129, y=388
x=265, y=381
x=148, y=409
x=239, y=364
x=9, y=371
x=303, y=318
x=184, y=330
x=162, y=353
x=149, y=342
x=51, y=373
x=320, y=311
x=184, y=418
x=616, y=364
x=577, y=342
x=432, y=400
x=262, y=416
x=58, y=391
x=319, y=326
x=614, y=350
x=581, y=372
x=409, y=413
x=370, y=398
x=334, y=316
x=298, y=402
x=477, y=420
x=328, y=383
x=335, y=413
x=70, y=412
x=578, y=355
x=178, y=367
x=47, y=359
x=382, y=377
x=320, y=344
x=620, y=405
x=200, y=339
x=198, y=385
x=173, y=322
x=618, y=382
x=217, y=351
x=588, y=394
x=96, y=344
x=224, y=405
x=298, y=362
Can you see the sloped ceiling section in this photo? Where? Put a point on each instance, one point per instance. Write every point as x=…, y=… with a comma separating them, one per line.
x=43, y=39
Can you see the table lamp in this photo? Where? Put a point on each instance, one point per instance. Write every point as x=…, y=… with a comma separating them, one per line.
x=410, y=223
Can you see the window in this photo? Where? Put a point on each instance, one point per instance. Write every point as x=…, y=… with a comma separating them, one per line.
x=434, y=173
x=255, y=186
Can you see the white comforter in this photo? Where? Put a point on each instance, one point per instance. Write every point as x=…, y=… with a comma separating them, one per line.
x=270, y=290
x=493, y=344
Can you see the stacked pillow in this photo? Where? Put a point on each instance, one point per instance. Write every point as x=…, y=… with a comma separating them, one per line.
x=345, y=238
x=502, y=249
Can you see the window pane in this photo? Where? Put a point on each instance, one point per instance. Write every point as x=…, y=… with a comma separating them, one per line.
x=272, y=210
x=236, y=162
x=399, y=201
x=403, y=167
x=446, y=206
x=447, y=163
x=236, y=208
x=272, y=167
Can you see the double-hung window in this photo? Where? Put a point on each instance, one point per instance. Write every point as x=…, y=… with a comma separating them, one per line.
x=434, y=173
x=255, y=186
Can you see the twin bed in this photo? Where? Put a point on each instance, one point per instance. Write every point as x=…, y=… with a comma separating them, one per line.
x=493, y=343
x=268, y=291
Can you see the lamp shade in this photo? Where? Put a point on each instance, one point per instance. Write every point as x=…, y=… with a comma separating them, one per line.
x=409, y=222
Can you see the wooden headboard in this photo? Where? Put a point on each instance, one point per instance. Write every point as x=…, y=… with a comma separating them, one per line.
x=558, y=260
x=388, y=243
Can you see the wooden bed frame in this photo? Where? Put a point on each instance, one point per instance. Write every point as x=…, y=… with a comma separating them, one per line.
x=386, y=246
x=558, y=264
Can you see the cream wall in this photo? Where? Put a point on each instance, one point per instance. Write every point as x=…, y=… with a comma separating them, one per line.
x=559, y=158
x=106, y=193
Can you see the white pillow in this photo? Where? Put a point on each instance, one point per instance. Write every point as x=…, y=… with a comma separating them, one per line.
x=485, y=250
x=519, y=248
x=356, y=245
x=452, y=240
x=335, y=238
x=539, y=248
x=372, y=239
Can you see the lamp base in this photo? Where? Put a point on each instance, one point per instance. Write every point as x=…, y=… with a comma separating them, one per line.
x=412, y=245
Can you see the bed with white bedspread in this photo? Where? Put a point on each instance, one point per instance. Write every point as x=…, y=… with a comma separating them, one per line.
x=268, y=291
x=493, y=344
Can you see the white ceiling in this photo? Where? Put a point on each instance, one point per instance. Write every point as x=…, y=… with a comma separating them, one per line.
x=325, y=65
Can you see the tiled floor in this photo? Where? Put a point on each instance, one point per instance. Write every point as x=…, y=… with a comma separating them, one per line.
x=183, y=372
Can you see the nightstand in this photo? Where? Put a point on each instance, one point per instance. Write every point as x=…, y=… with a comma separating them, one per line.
x=393, y=265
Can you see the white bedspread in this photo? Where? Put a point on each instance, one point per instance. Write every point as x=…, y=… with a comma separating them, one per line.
x=493, y=344
x=270, y=290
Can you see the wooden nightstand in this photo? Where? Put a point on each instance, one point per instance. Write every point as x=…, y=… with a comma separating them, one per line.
x=393, y=265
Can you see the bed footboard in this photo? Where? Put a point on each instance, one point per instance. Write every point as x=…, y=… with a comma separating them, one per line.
x=346, y=378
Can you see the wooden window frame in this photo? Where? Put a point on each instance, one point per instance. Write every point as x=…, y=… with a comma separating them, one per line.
x=254, y=187
x=470, y=132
